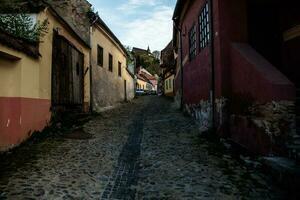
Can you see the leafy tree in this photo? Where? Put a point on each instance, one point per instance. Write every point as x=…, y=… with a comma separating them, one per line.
x=22, y=26
x=149, y=62
x=156, y=54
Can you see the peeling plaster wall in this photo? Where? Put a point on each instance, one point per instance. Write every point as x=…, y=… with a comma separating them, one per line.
x=74, y=12
x=266, y=129
x=201, y=112
x=108, y=87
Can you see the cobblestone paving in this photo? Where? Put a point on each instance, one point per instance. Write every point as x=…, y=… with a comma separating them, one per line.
x=144, y=150
x=177, y=164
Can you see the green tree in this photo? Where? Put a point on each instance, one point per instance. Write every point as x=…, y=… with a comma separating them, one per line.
x=22, y=26
x=149, y=62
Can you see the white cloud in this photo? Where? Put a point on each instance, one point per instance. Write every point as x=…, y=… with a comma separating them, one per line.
x=144, y=27
x=155, y=30
x=133, y=4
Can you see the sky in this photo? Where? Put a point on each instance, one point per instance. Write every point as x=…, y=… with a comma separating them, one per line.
x=138, y=23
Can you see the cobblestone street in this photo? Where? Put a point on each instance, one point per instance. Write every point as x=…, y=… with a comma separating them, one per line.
x=145, y=149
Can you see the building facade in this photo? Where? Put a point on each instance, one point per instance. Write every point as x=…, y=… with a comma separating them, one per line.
x=112, y=81
x=167, y=65
x=30, y=81
x=150, y=81
x=236, y=69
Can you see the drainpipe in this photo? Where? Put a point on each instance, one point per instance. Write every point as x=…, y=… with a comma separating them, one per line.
x=212, y=62
x=91, y=69
x=181, y=68
x=91, y=85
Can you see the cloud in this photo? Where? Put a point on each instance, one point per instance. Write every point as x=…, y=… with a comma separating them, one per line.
x=154, y=30
x=134, y=4
x=143, y=25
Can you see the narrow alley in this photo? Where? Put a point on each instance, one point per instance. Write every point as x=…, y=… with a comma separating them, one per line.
x=145, y=150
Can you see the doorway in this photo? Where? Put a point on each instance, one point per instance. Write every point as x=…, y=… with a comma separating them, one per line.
x=125, y=90
x=67, y=74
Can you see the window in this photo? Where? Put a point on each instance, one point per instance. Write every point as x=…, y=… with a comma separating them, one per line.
x=192, y=42
x=204, y=27
x=100, y=56
x=167, y=85
x=120, y=69
x=110, y=65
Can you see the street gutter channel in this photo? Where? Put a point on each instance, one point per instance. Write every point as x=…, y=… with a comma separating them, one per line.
x=125, y=176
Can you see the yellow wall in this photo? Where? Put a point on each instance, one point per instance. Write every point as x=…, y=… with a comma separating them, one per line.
x=108, y=87
x=141, y=84
x=169, y=85
x=10, y=74
x=46, y=52
x=31, y=78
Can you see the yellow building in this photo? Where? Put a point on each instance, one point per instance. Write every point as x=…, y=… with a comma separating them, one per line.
x=31, y=81
x=112, y=82
x=168, y=70
x=169, y=85
x=142, y=84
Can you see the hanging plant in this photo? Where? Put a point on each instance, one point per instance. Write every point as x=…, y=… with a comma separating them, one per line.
x=22, y=26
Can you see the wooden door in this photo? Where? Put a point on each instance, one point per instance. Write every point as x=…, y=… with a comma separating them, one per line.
x=67, y=74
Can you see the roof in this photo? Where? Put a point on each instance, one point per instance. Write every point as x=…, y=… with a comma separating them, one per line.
x=97, y=19
x=178, y=9
x=139, y=50
x=36, y=6
x=29, y=48
x=167, y=56
x=147, y=76
x=31, y=6
x=168, y=47
x=142, y=78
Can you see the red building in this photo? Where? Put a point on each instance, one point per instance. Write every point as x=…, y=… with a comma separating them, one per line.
x=243, y=56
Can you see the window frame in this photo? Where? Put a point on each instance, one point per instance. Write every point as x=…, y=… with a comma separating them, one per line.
x=204, y=27
x=193, y=42
x=100, y=58
x=110, y=62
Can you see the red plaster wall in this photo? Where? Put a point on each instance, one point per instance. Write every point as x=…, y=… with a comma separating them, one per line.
x=253, y=75
x=197, y=71
x=25, y=116
x=230, y=17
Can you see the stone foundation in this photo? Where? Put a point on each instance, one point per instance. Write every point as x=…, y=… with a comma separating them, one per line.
x=266, y=129
x=202, y=113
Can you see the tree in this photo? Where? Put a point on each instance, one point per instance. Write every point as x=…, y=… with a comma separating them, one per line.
x=22, y=26
x=149, y=62
x=156, y=54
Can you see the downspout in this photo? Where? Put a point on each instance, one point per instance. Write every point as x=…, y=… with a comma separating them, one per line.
x=181, y=69
x=91, y=77
x=212, y=63
x=91, y=69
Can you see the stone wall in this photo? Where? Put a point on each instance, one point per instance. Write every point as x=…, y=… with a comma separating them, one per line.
x=108, y=89
x=266, y=129
x=74, y=12
x=201, y=112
